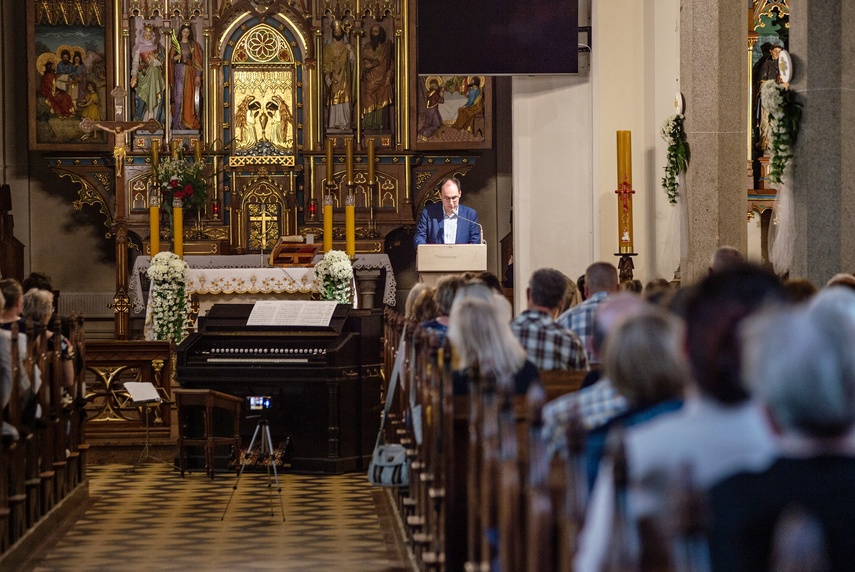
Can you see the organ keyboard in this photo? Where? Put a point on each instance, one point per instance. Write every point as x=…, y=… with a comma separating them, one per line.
x=324, y=380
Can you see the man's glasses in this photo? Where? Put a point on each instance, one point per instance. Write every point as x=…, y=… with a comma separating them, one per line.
x=451, y=199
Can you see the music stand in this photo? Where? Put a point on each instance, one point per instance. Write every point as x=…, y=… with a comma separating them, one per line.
x=144, y=395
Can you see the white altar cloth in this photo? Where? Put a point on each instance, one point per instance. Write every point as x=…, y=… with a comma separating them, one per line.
x=241, y=275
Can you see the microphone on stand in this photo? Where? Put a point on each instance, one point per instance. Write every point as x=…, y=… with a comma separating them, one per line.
x=480, y=228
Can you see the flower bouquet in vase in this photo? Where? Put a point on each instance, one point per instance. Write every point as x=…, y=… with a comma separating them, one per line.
x=169, y=301
x=181, y=183
x=334, y=277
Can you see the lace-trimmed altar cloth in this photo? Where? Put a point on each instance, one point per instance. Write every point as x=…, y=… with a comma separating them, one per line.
x=242, y=274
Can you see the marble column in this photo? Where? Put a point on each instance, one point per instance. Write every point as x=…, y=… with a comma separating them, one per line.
x=824, y=163
x=714, y=83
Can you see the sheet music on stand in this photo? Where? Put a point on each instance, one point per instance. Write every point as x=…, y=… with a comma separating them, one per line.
x=142, y=392
x=291, y=313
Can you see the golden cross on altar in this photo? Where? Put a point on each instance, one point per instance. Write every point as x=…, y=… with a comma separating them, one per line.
x=263, y=217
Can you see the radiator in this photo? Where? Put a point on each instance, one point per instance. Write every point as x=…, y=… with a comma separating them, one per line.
x=89, y=304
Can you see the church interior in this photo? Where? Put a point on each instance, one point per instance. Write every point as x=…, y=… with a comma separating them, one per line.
x=248, y=138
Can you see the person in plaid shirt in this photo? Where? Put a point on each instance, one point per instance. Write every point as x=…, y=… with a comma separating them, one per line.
x=601, y=279
x=549, y=346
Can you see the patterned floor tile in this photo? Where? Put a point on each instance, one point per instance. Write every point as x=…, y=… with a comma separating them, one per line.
x=152, y=519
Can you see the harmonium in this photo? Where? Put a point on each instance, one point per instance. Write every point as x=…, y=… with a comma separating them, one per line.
x=322, y=376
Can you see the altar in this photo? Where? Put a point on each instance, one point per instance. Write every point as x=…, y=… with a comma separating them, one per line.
x=243, y=279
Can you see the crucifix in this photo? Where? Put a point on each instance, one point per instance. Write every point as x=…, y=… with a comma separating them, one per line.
x=121, y=303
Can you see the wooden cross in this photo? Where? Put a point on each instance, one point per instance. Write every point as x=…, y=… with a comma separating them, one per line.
x=121, y=302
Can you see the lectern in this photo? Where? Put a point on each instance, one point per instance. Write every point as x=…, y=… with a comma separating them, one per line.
x=436, y=260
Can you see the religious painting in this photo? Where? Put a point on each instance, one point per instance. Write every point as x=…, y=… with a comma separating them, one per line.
x=263, y=95
x=69, y=74
x=454, y=112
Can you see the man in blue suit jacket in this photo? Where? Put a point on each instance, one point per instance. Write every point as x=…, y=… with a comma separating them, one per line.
x=448, y=222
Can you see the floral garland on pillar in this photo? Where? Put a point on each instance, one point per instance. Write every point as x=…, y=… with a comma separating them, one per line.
x=334, y=277
x=170, y=304
x=785, y=115
x=677, y=158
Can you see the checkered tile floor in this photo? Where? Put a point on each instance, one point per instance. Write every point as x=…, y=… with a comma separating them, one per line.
x=152, y=519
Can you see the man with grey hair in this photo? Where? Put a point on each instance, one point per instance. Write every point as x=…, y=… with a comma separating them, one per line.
x=601, y=280
x=725, y=258
x=547, y=344
x=801, y=366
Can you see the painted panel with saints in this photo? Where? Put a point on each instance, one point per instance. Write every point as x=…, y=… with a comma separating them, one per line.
x=69, y=75
x=454, y=112
x=263, y=95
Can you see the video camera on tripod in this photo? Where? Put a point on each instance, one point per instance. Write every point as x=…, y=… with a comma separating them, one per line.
x=258, y=402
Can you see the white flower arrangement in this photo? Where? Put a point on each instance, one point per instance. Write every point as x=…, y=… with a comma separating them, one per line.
x=677, y=159
x=785, y=113
x=333, y=276
x=169, y=301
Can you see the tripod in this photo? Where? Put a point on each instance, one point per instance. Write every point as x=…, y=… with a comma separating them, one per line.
x=266, y=448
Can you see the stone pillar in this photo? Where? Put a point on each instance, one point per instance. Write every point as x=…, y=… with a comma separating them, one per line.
x=824, y=163
x=714, y=83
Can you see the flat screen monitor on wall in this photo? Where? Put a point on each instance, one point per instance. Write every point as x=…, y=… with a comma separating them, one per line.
x=497, y=37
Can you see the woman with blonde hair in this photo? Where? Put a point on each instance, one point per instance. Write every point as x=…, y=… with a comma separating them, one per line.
x=481, y=336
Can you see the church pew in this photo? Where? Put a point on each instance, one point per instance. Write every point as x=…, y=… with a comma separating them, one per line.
x=78, y=424
x=540, y=515
x=558, y=382
x=17, y=491
x=58, y=418
x=36, y=440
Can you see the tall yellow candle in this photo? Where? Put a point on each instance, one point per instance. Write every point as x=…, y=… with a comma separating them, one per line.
x=197, y=151
x=329, y=160
x=154, y=226
x=371, y=160
x=178, y=230
x=624, y=157
x=350, y=226
x=624, y=192
x=328, y=222
x=348, y=149
x=176, y=147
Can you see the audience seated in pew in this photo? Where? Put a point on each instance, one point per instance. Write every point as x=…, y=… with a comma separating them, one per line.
x=446, y=289
x=549, y=346
x=13, y=303
x=718, y=433
x=424, y=306
x=801, y=366
x=38, y=307
x=601, y=280
x=598, y=403
x=644, y=360
x=412, y=296
x=481, y=336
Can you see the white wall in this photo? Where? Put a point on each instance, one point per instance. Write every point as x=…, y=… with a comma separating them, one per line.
x=565, y=166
